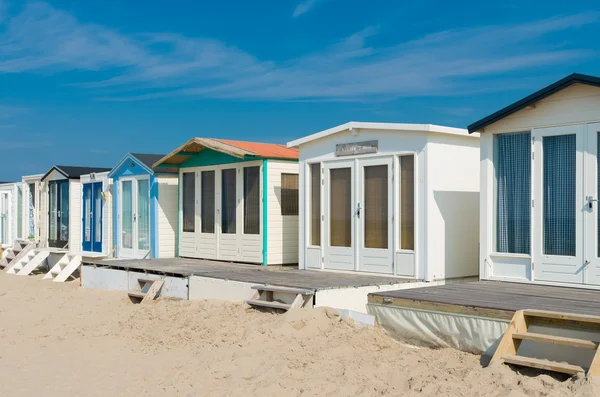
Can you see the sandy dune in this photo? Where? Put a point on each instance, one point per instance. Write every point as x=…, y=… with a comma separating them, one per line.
x=61, y=340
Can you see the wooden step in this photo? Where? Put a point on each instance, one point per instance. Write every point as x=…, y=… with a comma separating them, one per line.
x=136, y=294
x=272, y=305
x=582, y=318
x=272, y=288
x=148, y=280
x=556, y=340
x=543, y=364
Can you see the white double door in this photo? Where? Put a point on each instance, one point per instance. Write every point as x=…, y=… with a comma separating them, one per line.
x=5, y=218
x=134, y=214
x=358, y=215
x=565, y=208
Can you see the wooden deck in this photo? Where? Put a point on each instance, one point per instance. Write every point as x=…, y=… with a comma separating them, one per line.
x=280, y=276
x=493, y=299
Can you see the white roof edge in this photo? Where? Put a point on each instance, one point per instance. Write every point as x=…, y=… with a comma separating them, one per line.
x=383, y=126
x=34, y=176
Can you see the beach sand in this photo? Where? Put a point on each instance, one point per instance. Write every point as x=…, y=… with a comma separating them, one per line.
x=61, y=340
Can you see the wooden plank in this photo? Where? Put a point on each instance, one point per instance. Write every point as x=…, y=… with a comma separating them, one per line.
x=137, y=294
x=508, y=345
x=443, y=307
x=273, y=288
x=153, y=291
x=594, y=369
x=543, y=364
x=556, y=340
x=273, y=305
x=563, y=316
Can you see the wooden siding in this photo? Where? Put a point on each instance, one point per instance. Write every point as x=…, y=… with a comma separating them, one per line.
x=577, y=104
x=167, y=216
x=282, y=231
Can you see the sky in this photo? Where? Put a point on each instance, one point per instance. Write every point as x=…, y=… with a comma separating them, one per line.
x=85, y=82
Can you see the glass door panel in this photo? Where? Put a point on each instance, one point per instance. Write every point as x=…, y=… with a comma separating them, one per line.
x=375, y=217
x=340, y=215
x=228, y=203
x=340, y=204
x=127, y=214
x=53, y=212
x=64, y=214
x=591, y=211
x=97, y=217
x=559, y=198
x=143, y=215
x=87, y=217
x=4, y=200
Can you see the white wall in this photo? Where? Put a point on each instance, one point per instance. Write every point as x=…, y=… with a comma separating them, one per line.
x=12, y=213
x=167, y=215
x=576, y=104
x=283, y=230
x=452, y=207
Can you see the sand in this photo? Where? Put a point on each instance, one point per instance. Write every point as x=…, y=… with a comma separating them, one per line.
x=62, y=340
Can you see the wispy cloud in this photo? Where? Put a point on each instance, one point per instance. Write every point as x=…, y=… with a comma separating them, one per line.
x=304, y=7
x=157, y=65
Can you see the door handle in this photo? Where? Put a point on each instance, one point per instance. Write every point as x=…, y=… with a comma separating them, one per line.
x=590, y=200
x=134, y=217
x=358, y=210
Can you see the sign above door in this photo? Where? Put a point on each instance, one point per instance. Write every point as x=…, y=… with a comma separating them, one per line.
x=352, y=149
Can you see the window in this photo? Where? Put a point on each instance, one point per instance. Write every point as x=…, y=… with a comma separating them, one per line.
x=207, y=198
x=513, y=192
x=340, y=207
x=407, y=202
x=315, y=204
x=228, y=201
x=252, y=200
x=189, y=201
x=376, y=205
x=289, y=194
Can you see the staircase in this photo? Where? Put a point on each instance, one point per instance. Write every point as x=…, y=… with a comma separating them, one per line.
x=18, y=250
x=517, y=332
x=64, y=269
x=148, y=290
x=281, y=298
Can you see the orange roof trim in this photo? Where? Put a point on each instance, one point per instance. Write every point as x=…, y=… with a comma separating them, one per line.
x=264, y=150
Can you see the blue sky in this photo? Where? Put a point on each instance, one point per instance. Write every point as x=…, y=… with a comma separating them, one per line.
x=84, y=82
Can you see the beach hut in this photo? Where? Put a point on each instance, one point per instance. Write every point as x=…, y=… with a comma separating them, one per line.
x=96, y=214
x=238, y=200
x=539, y=186
x=61, y=190
x=11, y=225
x=384, y=198
x=145, y=208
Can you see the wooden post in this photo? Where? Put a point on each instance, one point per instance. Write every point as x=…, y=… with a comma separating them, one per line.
x=509, y=346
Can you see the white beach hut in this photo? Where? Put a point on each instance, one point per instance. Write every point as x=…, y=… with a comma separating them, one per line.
x=11, y=225
x=397, y=199
x=540, y=186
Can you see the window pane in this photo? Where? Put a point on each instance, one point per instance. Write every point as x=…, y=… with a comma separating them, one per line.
x=87, y=213
x=598, y=192
x=98, y=213
x=31, y=212
x=559, y=195
x=252, y=200
x=64, y=211
x=207, y=206
x=513, y=193
x=289, y=194
x=407, y=202
x=376, y=206
x=143, y=214
x=53, y=211
x=228, y=203
x=315, y=204
x=340, y=207
x=189, y=201
x=127, y=215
